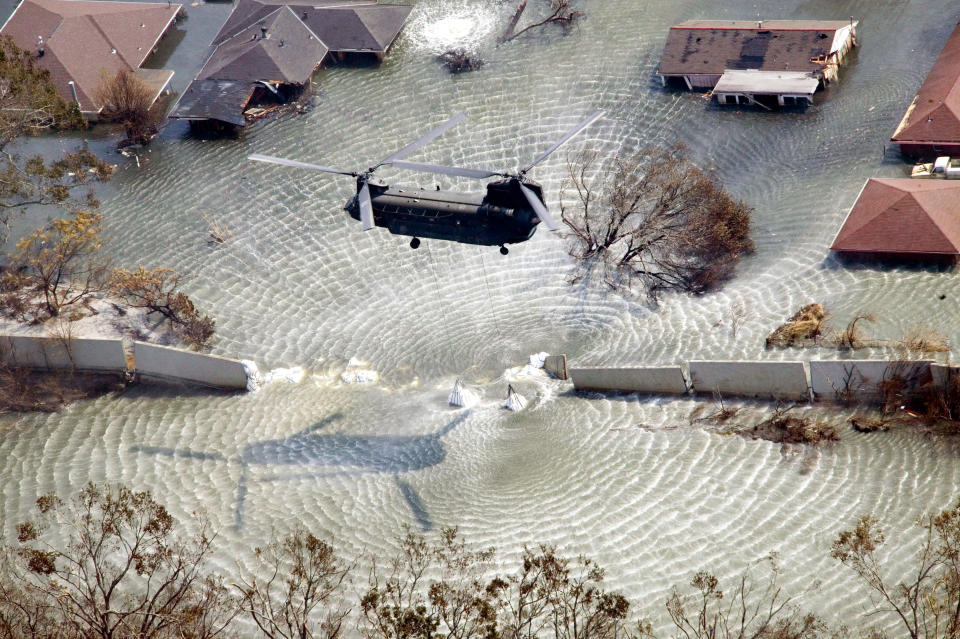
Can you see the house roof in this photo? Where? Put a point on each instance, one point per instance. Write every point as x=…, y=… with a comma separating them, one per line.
x=342, y=25
x=289, y=53
x=84, y=38
x=903, y=215
x=709, y=47
x=755, y=81
x=934, y=114
x=222, y=100
x=279, y=41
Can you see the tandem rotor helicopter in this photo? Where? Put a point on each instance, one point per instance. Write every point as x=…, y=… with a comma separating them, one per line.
x=507, y=213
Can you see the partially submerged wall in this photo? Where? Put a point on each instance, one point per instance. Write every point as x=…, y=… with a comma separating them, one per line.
x=51, y=353
x=854, y=379
x=660, y=380
x=774, y=380
x=163, y=363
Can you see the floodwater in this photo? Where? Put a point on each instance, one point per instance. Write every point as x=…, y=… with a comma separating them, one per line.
x=628, y=481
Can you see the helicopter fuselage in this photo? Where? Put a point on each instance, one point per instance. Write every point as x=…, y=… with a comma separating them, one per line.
x=497, y=217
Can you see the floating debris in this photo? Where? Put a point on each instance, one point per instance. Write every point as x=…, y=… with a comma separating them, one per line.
x=461, y=396
x=515, y=401
x=358, y=372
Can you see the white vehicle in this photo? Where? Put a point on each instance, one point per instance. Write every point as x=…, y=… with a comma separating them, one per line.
x=942, y=167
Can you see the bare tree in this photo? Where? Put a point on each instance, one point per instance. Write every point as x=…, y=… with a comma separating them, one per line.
x=751, y=611
x=661, y=222
x=120, y=572
x=561, y=13
x=927, y=598
x=126, y=99
x=159, y=291
x=297, y=594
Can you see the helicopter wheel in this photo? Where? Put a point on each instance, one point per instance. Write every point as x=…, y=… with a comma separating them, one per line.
x=504, y=250
x=415, y=243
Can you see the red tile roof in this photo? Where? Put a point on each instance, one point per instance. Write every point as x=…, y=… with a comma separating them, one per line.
x=934, y=114
x=903, y=215
x=83, y=38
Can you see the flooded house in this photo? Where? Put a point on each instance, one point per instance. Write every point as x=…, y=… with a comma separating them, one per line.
x=763, y=62
x=81, y=41
x=931, y=124
x=267, y=51
x=903, y=219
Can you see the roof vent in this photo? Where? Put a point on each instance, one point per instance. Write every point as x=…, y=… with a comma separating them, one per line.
x=759, y=24
x=113, y=51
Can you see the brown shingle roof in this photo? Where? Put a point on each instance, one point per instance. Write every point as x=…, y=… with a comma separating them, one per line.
x=711, y=46
x=84, y=38
x=342, y=25
x=902, y=215
x=934, y=114
x=289, y=54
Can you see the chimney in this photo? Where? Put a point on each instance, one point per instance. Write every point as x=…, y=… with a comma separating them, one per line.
x=73, y=90
x=263, y=32
x=40, y=50
x=759, y=24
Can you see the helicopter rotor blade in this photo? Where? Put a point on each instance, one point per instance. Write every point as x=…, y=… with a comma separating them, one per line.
x=426, y=139
x=366, y=207
x=566, y=138
x=539, y=208
x=479, y=174
x=300, y=165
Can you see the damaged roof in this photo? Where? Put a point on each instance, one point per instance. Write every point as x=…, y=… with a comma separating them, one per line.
x=83, y=39
x=281, y=42
x=903, y=215
x=934, y=114
x=710, y=47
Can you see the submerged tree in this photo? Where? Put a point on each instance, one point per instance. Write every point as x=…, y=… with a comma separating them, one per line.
x=109, y=564
x=63, y=261
x=30, y=105
x=752, y=610
x=561, y=12
x=158, y=291
x=297, y=589
x=658, y=221
x=926, y=599
x=128, y=100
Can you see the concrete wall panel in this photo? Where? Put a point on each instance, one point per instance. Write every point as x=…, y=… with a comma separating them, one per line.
x=781, y=380
x=664, y=380
x=171, y=364
x=556, y=365
x=858, y=379
x=82, y=354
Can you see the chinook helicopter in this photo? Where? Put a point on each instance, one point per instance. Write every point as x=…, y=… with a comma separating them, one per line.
x=507, y=213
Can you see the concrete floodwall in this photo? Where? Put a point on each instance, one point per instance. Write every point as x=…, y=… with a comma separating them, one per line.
x=660, y=380
x=556, y=365
x=860, y=380
x=51, y=353
x=174, y=365
x=777, y=380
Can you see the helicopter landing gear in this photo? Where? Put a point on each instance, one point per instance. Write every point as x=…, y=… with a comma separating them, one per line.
x=415, y=243
x=504, y=250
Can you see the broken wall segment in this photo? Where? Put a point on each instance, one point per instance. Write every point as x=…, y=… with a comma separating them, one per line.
x=859, y=380
x=659, y=380
x=51, y=353
x=775, y=380
x=556, y=365
x=166, y=364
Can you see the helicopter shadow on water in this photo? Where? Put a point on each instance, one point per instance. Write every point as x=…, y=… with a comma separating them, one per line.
x=332, y=455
